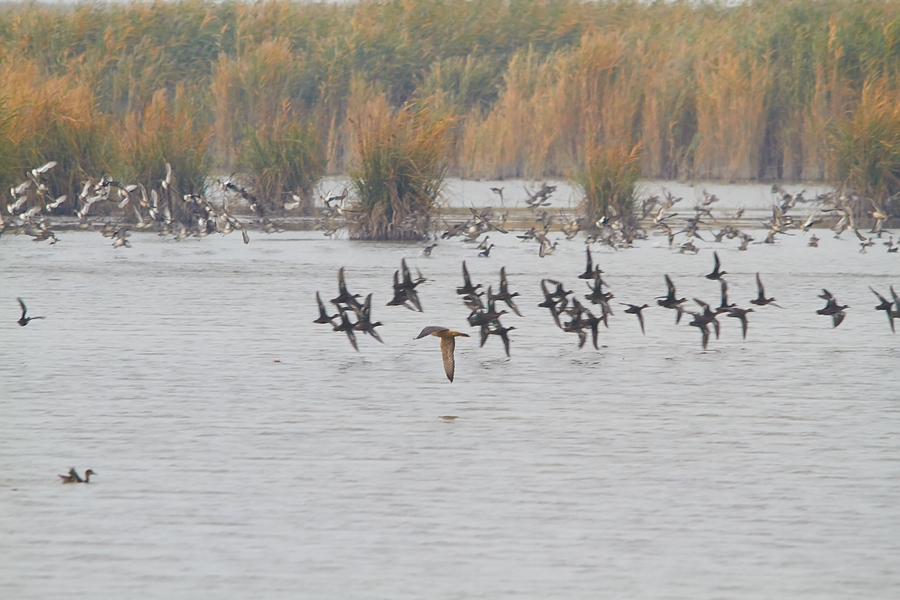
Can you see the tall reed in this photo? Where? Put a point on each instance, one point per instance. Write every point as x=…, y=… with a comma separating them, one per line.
x=165, y=131
x=402, y=165
x=865, y=148
x=710, y=89
x=283, y=159
x=608, y=180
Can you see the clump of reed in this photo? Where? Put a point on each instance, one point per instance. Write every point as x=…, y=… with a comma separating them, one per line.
x=165, y=131
x=51, y=118
x=865, y=149
x=402, y=163
x=608, y=179
x=283, y=160
x=733, y=90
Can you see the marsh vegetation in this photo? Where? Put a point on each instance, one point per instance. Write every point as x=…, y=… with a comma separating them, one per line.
x=765, y=90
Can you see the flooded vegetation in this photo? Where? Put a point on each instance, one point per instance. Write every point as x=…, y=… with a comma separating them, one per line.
x=768, y=90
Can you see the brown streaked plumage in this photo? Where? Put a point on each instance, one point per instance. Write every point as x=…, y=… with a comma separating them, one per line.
x=448, y=344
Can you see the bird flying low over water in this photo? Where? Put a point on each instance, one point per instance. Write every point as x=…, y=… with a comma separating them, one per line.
x=468, y=289
x=448, y=344
x=23, y=320
x=832, y=308
x=740, y=313
x=636, y=310
x=405, y=292
x=323, y=314
x=716, y=273
x=761, y=299
x=504, y=293
x=670, y=301
x=888, y=307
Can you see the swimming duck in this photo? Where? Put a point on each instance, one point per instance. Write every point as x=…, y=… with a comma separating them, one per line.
x=486, y=253
x=448, y=344
x=73, y=476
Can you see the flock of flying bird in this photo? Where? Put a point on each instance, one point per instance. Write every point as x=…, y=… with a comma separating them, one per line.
x=571, y=315
x=134, y=207
x=191, y=214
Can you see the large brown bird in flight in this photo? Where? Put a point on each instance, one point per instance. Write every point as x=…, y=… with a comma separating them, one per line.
x=448, y=344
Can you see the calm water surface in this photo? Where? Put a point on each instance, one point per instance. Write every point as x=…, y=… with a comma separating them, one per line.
x=244, y=452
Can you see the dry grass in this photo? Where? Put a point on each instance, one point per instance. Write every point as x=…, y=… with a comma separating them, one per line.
x=283, y=159
x=722, y=91
x=608, y=180
x=865, y=147
x=402, y=163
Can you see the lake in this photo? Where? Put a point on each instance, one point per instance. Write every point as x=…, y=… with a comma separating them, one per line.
x=242, y=451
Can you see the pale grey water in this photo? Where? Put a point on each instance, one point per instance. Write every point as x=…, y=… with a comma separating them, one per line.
x=765, y=468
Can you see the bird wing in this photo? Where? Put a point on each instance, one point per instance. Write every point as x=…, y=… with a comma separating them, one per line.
x=505, y=336
x=430, y=330
x=641, y=319
x=466, y=279
x=716, y=264
x=22, y=304
x=352, y=338
x=759, y=286
x=448, y=344
x=670, y=286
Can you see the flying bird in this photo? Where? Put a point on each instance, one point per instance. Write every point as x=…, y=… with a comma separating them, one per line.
x=23, y=321
x=448, y=344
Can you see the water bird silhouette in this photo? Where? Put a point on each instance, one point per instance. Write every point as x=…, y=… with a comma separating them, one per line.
x=73, y=476
x=504, y=293
x=741, y=314
x=24, y=320
x=670, y=301
x=761, y=299
x=716, y=274
x=634, y=309
x=323, y=314
x=887, y=306
x=832, y=308
x=467, y=288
